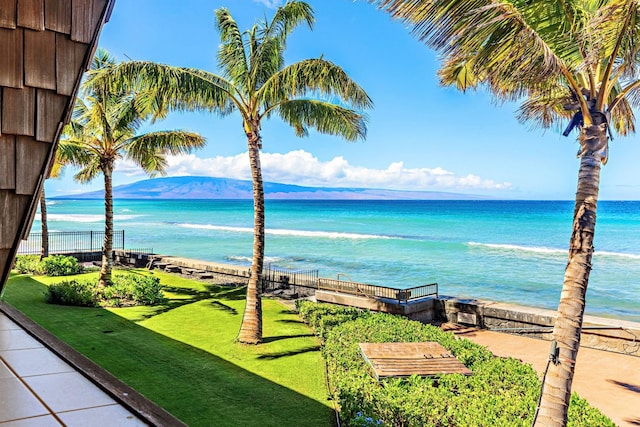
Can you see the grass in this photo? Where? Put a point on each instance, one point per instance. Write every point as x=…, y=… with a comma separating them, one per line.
x=183, y=355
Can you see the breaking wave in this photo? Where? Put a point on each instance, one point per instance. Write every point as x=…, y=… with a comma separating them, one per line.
x=282, y=232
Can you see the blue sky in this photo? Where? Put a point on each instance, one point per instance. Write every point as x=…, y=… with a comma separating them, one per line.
x=421, y=136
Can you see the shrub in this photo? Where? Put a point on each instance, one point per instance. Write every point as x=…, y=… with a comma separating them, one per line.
x=131, y=289
x=60, y=265
x=27, y=264
x=501, y=392
x=72, y=292
x=126, y=290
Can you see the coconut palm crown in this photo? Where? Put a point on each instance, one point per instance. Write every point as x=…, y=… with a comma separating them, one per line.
x=104, y=129
x=573, y=64
x=256, y=84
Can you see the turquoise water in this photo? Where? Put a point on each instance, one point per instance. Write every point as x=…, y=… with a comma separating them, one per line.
x=511, y=251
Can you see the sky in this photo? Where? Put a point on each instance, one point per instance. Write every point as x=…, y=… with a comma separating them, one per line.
x=420, y=135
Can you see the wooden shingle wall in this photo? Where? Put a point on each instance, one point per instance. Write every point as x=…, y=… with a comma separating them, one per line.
x=45, y=46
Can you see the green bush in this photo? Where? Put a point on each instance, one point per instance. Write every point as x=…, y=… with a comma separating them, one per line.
x=60, y=265
x=72, y=292
x=27, y=264
x=126, y=290
x=500, y=392
x=131, y=289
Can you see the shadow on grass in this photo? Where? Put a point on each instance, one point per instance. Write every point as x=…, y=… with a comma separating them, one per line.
x=186, y=296
x=266, y=340
x=278, y=355
x=290, y=321
x=199, y=388
x=221, y=306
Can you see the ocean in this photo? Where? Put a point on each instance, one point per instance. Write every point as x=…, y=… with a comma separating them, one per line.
x=509, y=251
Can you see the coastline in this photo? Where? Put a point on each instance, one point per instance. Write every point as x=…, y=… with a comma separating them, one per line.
x=602, y=333
x=494, y=250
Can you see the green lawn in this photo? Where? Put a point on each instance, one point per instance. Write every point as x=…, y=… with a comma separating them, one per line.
x=183, y=356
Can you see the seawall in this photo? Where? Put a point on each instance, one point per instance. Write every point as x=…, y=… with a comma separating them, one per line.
x=601, y=333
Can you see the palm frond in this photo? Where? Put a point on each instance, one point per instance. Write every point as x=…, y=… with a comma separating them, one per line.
x=545, y=109
x=88, y=172
x=317, y=76
x=270, y=39
x=147, y=150
x=173, y=88
x=288, y=17
x=232, y=57
x=325, y=117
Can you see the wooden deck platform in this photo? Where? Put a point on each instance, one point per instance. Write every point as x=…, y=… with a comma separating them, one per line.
x=398, y=360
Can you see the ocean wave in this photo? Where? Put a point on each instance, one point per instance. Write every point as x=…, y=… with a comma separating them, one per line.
x=282, y=232
x=87, y=217
x=616, y=255
x=517, y=248
x=549, y=251
x=247, y=259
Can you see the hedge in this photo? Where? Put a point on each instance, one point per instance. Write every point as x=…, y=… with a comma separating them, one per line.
x=500, y=392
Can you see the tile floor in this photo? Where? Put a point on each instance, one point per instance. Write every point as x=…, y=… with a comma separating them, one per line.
x=39, y=389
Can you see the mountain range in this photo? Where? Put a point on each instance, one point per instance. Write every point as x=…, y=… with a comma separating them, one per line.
x=203, y=187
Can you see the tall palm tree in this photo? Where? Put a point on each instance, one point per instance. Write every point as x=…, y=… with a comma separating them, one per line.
x=104, y=128
x=571, y=60
x=55, y=172
x=255, y=83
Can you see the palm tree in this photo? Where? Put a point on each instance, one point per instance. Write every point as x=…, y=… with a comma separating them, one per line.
x=104, y=129
x=56, y=170
x=570, y=59
x=255, y=82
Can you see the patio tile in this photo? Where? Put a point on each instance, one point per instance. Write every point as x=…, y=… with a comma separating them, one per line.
x=46, y=421
x=17, y=402
x=4, y=371
x=15, y=339
x=68, y=391
x=104, y=416
x=7, y=324
x=34, y=361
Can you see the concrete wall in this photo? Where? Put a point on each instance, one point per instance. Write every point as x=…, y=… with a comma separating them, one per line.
x=598, y=332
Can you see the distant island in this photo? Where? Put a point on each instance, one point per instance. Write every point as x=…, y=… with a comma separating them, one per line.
x=204, y=187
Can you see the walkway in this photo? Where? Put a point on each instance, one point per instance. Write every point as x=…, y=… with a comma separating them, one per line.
x=38, y=389
x=608, y=381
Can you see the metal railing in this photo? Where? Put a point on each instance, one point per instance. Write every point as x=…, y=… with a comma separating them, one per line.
x=278, y=277
x=68, y=242
x=374, y=291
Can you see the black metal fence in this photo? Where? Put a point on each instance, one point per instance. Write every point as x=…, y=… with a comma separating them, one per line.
x=274, y=278
x=277, y=278
x=374, y=291
x=70, y=242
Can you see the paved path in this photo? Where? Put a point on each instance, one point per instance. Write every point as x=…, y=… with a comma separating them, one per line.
x=38, y=389
x=609, y=381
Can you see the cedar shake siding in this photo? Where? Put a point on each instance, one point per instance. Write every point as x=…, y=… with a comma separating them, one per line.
x=45, y=46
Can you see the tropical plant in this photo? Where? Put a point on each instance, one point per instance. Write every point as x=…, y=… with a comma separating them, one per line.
x=104, y=129
x=571, y=60
x=313, y=93
x=55, y=172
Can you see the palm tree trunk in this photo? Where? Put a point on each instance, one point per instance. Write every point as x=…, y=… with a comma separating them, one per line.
x=44, y=251
x=251, y=328
x=107, y=246
x=556, y=391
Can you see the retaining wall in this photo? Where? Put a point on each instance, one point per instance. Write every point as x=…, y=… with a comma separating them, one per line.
x=600, y=333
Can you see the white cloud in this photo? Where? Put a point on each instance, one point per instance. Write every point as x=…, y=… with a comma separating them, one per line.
x=302, y=168
x=271, y=4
